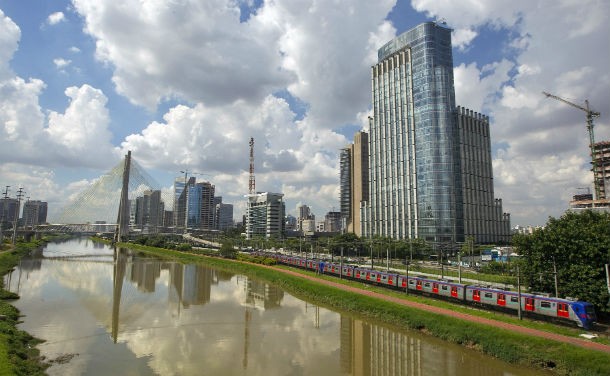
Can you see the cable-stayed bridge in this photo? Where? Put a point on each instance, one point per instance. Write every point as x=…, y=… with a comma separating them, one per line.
x=103, y=204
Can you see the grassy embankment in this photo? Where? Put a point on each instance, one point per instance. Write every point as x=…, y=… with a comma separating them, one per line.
x=563, y=359
x=18, y=352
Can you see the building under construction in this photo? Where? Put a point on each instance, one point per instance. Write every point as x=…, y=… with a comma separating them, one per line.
x=601, y=175
x=601, y=172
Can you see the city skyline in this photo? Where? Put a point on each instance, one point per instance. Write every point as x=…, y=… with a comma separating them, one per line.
x=79, y=90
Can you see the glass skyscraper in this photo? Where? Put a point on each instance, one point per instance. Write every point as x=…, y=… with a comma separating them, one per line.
x=415, y=182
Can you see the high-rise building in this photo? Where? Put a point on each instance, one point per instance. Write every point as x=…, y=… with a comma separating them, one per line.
x=200, y=206
x=416, y=187
x=149, y=211
x=34, y=213
x=224, y=216
x=484, y=219
x=354, y=181
x=332, y=221
x=304, y=215
x=180, y=193
x=8, y=211
x=602, y=168
x=265, y=215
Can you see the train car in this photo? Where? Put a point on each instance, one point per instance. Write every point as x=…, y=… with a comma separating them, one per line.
x=565, y=310
x=556, y=309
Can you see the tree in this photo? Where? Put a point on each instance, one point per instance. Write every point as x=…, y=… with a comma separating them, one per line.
x=577, y=246
x=227, y=250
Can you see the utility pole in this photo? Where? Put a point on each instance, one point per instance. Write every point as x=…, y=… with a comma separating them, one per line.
x=5, y=198
x=519, y=292
x=20, y=194
x=555, y=276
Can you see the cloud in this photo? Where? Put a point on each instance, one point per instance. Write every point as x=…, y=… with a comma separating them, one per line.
x=9, y=40
x=82, y=129
x=196, y=51
x=320, y=53
x=55, y=18
x=61, y=63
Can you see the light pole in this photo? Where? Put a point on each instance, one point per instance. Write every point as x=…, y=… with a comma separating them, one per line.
x=407, y=270
x=519, y=292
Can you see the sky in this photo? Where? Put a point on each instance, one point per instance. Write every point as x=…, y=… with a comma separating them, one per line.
x=184, y=84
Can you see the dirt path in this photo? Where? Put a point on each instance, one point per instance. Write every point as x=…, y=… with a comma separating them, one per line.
x=463, y=316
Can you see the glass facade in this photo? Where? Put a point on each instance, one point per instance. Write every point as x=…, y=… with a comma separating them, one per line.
x=200, y=206
x=415, y=181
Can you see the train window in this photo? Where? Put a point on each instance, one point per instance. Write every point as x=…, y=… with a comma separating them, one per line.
x=545, y=304
x=488, y=295
x=514, y=299
x=444, y=287
x=411, y=282
x=427, y=284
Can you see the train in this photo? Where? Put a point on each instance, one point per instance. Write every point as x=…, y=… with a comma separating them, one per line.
x=538, y=306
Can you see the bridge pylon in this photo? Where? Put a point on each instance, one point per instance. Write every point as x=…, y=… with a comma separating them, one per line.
x=122, y=228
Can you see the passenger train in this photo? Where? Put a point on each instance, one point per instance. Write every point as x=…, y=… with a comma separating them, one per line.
x=538, y=306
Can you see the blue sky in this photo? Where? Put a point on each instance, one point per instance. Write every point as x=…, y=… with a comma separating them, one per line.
x=185, y=84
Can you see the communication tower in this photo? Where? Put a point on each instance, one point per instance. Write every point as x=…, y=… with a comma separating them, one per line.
x=252, y=182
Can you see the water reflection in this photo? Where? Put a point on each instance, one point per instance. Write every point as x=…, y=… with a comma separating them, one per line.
x=125, y=313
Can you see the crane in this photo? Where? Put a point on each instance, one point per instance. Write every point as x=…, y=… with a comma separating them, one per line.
x=590, y=115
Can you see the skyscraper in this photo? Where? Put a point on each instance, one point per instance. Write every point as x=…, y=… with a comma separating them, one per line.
x=180, y=193
x=416, y=185
x=200, y=206
x=34, y=213
x=354, y=181
x=484, y=219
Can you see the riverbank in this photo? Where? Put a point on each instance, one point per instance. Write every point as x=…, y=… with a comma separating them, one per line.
x=508, y=345
x=18, y=352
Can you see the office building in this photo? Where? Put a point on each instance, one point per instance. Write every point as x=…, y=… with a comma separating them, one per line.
x=484, y=218
x=354, y=181
x=265, y=215
x=149, y=211
x=332, y=222
x=416, y=187
x=224, y=216
x=200, y=206
x=305, y=214
x=34, y=213
x=9, y=211
x=180, y=193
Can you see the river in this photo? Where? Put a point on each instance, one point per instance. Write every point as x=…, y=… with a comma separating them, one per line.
x=128, y=314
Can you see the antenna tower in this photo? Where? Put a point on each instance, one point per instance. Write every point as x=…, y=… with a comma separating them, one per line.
x=252, y=182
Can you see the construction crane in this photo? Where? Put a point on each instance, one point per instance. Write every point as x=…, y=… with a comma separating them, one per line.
x=590, y=115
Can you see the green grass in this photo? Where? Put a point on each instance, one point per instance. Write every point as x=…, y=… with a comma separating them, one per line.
x=18, y=352
x=563, y=359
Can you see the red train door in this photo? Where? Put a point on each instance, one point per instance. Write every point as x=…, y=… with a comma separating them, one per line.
x=404, y=282
x=454, y=291
x=368, y=276
x=357, y=273
x=476, y=295
x=529, y=304
x=435, y=288
x=562, y=310
x=502, y=300
x=390, y=282
x=418, y=285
